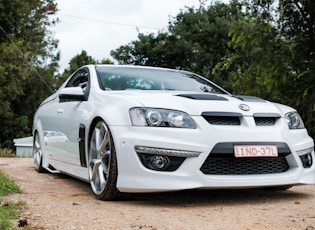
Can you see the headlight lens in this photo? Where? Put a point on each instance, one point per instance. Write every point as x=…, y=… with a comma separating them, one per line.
x=160, y=118
x=294, y=120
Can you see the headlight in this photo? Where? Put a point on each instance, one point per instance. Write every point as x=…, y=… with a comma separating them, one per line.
x=294, y=120
x=160, y=118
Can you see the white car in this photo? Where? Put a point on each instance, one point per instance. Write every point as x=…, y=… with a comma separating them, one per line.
x=132, y=129
x=53, y=137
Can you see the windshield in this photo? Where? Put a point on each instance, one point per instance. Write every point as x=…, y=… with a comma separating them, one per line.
x=133, y=78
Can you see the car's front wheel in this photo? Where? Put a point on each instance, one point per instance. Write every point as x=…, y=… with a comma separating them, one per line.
x=102, y=164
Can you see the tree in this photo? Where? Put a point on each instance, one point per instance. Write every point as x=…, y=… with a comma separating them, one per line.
x=28, y=63
x=273, y=52
x=297, y=26
x=80, y=60
x=196, y=40
x=260, y=64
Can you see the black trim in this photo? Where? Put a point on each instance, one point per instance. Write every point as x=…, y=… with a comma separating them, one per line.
x=69, y=97
x=209, y=97
x=82, y=145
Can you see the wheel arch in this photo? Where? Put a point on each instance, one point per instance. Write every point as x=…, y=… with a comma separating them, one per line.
x=109, y=191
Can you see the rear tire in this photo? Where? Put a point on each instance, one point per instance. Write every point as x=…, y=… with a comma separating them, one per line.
x=102, y=164
x=38, y=154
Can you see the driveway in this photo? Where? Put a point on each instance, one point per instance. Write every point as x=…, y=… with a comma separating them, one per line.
x=61, y=202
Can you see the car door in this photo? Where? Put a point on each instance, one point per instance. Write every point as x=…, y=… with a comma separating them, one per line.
x=70, y=114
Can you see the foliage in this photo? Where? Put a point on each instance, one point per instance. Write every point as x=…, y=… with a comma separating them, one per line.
x=28, y=63
x=260, y=63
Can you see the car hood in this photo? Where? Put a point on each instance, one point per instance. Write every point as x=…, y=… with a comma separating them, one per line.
x=195, y=103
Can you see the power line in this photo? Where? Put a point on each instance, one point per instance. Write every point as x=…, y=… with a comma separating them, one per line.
x=25, y=59
x=107, y=22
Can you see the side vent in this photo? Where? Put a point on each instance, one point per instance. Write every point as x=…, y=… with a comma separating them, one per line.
x=81, y=145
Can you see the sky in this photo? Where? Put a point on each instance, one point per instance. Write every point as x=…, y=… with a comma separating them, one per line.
x=100, y=26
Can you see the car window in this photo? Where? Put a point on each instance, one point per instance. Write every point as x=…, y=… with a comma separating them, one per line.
x=51, y=134
x=80, y=79
x=118, y=82
x=149, y=79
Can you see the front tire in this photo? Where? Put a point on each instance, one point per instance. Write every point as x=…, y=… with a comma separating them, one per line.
x=102, y=164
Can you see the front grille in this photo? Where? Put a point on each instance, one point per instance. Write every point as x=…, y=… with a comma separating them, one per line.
x=265, y=121
x=221, y=161
x=223, y=120
x=244, y=166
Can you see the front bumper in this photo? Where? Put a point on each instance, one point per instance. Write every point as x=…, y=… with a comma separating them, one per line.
x=133, y=176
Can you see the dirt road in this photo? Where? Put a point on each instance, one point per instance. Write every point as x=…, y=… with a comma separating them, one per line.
x=62, y=202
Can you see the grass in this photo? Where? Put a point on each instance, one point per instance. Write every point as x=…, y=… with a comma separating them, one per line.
x=7, y=153
x=8, y=186
x=9, y=211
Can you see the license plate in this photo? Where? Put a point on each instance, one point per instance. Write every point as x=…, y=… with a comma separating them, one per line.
x=255, y=151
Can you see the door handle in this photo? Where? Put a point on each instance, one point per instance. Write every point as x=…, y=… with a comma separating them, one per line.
x=59, y=111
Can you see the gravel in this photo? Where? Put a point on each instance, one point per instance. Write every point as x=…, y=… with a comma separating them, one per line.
x=56, y=201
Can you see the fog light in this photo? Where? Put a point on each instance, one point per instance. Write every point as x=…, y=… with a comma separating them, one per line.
x=160, y=162
x=307, y=160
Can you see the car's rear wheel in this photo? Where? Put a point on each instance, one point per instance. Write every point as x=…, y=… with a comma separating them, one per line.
x=38, y=154
x=102, y=164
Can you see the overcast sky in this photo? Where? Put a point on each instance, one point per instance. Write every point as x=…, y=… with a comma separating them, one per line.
x=99, y=26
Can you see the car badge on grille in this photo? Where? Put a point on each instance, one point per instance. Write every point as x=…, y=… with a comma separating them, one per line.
x=244, y=107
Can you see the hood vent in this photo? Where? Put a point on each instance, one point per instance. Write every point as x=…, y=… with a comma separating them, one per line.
x=249, y=98
x=209, y=97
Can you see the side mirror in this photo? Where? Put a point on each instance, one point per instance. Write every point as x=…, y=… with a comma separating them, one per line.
x=72, y=94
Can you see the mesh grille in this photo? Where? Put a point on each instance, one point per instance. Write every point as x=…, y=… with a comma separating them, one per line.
x=265, y=121
x=223, y=120
x=244, y=166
